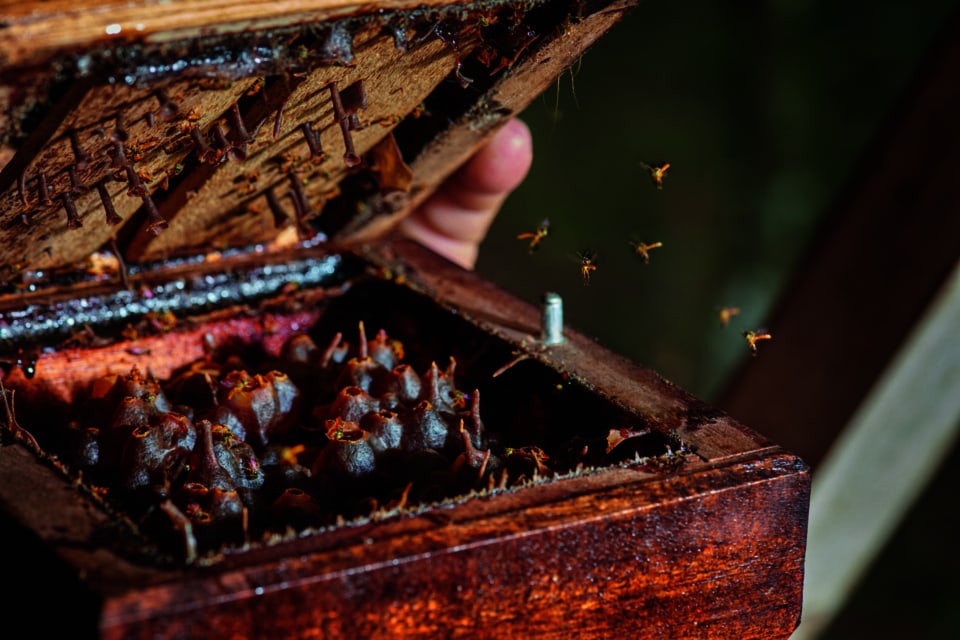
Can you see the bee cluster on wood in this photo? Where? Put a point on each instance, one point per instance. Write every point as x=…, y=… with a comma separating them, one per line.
x=235, y=448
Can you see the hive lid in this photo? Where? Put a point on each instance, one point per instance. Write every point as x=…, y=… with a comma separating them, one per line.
x=164, y=128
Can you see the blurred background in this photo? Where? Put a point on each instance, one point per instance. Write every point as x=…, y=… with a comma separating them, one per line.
x=764, y=110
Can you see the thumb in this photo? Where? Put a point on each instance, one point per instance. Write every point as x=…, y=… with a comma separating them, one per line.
x=455, y=219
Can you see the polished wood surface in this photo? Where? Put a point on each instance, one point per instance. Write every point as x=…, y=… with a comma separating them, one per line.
x=712, y=546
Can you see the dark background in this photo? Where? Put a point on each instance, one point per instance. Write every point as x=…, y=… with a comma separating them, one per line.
x=764, y=110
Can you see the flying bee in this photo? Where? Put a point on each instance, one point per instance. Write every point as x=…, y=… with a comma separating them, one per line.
x=753, y=337
x=642, y=249
x=588, y=264
x=537, y=236
x=657, y=172
x=725, y=313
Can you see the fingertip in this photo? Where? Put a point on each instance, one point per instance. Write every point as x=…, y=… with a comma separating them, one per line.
x=455, y=219
x=501, y=164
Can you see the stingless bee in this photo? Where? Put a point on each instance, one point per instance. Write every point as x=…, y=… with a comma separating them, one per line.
x=588, y=264
x=753, y=337
x=725, y=313
x=642, y=249
x=535, y=237
x=657, y=172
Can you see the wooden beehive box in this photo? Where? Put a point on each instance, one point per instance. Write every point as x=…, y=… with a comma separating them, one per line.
x=246, y=163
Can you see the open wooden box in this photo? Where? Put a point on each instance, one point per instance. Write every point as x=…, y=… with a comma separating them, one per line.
x=187, y=446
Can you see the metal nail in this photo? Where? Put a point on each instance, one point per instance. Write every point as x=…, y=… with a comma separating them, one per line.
x=551, y=322
x=83, y=159
x=112, y=216
x=43, y=191
x=73, y=217
x=350, y=157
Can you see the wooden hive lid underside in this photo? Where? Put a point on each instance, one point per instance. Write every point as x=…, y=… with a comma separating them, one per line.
x=162, y=129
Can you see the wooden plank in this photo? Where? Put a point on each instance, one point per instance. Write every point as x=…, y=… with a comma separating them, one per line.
x=613, y=574
x=34, y=31
x=883, y=460
x=713, y=546
x=213, y=163
x=546, y=572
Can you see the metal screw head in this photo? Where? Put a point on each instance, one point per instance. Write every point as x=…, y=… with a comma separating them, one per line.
x=551, y=322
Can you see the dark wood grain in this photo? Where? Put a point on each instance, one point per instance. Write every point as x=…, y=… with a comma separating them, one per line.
x=710, y=545
x=712, y=548
x=36, y=31
x=714, y=553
